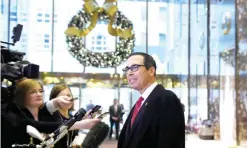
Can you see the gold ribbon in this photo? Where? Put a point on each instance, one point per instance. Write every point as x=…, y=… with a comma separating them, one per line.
x=91, y=7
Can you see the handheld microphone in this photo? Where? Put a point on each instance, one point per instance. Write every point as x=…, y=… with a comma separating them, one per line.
x=67, y=125
x=96, y=136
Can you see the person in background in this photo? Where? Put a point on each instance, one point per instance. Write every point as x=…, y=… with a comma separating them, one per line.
x=157, y=118
x=28, y=109
x=115, y=112
x=90, y=105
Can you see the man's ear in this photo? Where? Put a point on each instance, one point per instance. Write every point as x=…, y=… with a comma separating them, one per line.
x=151, y=71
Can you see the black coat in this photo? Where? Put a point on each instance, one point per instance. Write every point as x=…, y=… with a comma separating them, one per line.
x=68, y=138
x=14, y=121
x=159, y=123
x=117, y=114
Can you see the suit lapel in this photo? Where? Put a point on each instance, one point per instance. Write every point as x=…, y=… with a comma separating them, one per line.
x=143, y=118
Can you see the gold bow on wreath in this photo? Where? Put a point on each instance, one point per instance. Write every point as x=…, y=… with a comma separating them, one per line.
x=91, y=7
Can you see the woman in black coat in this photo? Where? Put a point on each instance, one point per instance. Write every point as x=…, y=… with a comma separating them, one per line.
x=62, y=114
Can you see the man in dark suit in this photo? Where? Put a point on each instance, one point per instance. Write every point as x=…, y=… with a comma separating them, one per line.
x=157, y=119
x=115, y=117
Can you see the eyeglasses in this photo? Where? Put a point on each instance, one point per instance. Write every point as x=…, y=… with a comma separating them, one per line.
x=36, y=92
x=132, y=68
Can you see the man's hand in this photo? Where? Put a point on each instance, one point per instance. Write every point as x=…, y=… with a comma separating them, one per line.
x=115, y=118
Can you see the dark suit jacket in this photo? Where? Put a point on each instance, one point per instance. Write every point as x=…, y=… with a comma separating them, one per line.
x=159, y=123
x=118, y=113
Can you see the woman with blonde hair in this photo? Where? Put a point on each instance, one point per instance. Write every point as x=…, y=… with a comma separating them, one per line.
x=28, y=108
x=64, y=113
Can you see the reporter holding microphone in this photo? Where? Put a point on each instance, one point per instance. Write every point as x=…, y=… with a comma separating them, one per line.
x=63, y=114
x=28, y=109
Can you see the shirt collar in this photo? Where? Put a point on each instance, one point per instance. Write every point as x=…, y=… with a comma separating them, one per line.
x=148, y=91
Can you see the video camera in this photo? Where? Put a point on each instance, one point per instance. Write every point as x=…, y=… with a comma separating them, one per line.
x=13, y=68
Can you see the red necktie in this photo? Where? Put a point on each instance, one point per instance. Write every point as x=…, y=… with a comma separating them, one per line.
x=136, y=109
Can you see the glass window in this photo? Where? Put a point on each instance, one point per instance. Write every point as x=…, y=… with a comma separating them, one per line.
x=89, y=94
x=63, y=14
x=125, y=100
x=138, y=24
x=47, y=92
x=37, y=51
x=162, y=13
x=222, y=75
x=137, y=18
x=143, y=14
x=4, y=21
x=198, y=57
x=76, y=94
x=162, y=38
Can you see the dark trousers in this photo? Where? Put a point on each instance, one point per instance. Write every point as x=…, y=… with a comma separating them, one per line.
x=112, y=122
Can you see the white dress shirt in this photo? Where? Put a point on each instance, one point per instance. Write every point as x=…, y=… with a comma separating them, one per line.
x=148, y=91
x=115, y=108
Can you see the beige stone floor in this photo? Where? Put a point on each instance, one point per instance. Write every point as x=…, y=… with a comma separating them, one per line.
x=191, y=142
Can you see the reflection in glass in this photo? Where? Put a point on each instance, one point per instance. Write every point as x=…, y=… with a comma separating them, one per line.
x=242, y=72
x=62, y=16
x=198, y=56
x=198, y=62
x=35, y=16
x=158, y=34
x=4, y=21
x=221, y=106
x=138, y=18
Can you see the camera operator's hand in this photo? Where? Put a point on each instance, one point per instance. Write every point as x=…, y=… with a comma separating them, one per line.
x=87, y=115
x=62, y=102
x=90, y=115
x=85, y=124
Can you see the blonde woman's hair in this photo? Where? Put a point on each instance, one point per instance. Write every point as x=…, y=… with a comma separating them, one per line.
x=22, y=89
x=57, y=89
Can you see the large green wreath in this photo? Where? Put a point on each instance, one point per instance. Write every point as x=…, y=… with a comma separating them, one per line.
x=86, y=57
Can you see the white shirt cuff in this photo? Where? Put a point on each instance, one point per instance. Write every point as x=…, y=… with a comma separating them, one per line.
x=51, y=107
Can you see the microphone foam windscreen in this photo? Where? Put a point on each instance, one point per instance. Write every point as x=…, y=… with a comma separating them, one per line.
x=80, y=114
x=96, y=136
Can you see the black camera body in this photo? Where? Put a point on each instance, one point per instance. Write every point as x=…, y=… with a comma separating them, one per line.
x=13, y=68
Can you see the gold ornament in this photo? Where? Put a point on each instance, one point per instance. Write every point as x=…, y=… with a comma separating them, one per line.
x=109, y=8
x=226, y=24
